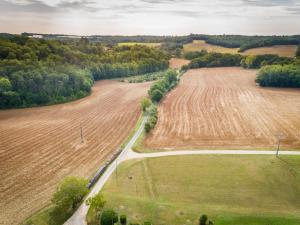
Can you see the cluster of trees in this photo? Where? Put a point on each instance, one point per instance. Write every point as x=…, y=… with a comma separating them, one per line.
x=258, y=61
x=279, y=76
x=152, y=119
x=157, y=91
x=298, y=51
x=66, y=199
x=205, y=59
x=39, y=72
x=160, y=88
x=30, y=85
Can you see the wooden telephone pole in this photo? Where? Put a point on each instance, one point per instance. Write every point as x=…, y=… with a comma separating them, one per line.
x=81, y=133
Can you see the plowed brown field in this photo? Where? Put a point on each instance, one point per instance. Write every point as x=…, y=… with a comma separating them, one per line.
x=177, y=63
x=40, y=146
x=223, y=108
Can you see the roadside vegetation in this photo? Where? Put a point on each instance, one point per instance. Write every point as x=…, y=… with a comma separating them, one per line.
x=65, y=201
x=157, y=91
x=40, y=72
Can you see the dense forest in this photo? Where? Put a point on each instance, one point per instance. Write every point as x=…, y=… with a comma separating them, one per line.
x=38, y=72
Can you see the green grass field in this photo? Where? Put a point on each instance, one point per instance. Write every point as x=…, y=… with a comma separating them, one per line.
x=144, y=77
x=231, y=190
x=150, y=44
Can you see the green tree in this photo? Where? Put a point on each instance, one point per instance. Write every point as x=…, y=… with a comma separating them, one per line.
x=5, y=85
x=67, y=198
x=123, y=219
x=145, y=103
x=298, y=51
x=203, y=219
x=109, y=217
x=97, y=202
x=156, y=95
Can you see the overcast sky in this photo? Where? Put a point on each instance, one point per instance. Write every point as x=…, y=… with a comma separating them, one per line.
x=157, y=17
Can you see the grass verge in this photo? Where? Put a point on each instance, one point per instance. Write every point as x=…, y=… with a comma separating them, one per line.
x=137, y=126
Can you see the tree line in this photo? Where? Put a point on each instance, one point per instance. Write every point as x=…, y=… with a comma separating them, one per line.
x=211, y=59
x=247, y=42
x=157, y=91
x=173, y=44
x=40, y=72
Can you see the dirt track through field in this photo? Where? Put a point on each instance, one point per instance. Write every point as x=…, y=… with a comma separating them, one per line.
x=40, y=146
x=223, y=108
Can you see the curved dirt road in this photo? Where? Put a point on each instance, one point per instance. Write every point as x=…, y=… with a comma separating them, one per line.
x=78, y=217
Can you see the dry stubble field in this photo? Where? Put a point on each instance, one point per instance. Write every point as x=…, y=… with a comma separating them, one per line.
x=40, y=146
x=281, y=50
x=223, y=108
x=177, y=63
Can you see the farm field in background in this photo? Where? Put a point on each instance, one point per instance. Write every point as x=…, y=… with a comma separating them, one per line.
x=198, y=45
x=224, y=108
x=177, y=63
x=231, y=190
x=40, y=146
x=149, y=44
x=281, y=50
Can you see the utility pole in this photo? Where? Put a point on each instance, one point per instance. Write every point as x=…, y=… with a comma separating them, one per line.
x=81, y=133
x=280, y=137
x=117, y=170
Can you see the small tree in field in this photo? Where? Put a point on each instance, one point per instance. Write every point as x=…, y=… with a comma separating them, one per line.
x=145, y=103
x=109, y=217
x=123, y=219
x=203, y=219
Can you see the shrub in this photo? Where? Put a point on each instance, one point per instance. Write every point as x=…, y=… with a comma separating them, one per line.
x=298, y=51
x=152, y=111
x=156, y=95
x=96, y=203
x=145, y=103
x=109, y=217
x=203, y=219
x=123, y=219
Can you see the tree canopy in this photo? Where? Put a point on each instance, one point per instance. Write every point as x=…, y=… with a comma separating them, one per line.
x=44, y=72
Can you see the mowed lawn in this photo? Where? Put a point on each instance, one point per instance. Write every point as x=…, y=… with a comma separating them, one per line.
x=231, y=190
